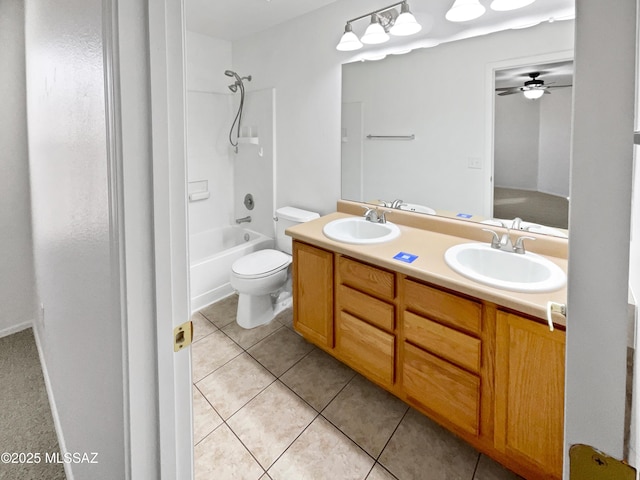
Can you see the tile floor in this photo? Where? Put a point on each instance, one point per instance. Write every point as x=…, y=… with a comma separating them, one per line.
x=269, y=405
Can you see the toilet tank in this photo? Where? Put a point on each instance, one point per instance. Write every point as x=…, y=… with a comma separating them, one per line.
x=288, y=217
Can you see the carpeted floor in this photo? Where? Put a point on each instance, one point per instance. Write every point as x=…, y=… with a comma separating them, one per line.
x=535, y=207
x=26, y=424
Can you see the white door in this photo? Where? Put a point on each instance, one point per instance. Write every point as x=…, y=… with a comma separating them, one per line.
x=166, y=37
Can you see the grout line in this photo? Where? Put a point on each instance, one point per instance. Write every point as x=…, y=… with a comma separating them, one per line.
x=392, y=434
x=476, y=469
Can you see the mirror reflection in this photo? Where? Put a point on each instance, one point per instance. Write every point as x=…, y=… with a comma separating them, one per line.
x=418, y=129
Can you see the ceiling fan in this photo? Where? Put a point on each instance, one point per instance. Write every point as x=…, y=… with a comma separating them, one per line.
x=531, y=89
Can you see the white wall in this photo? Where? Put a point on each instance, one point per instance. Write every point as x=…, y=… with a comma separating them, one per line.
x=601, y=161
x=17, y=292
x=555, y=142
x=299, y=59
x=517, y=133
x=81, y=335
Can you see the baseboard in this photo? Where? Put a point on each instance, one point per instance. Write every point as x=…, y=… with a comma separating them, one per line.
x=52, y=405
x=15, y=329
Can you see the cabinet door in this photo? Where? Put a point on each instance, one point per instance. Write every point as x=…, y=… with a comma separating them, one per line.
x=313, y=293
x=529, y=411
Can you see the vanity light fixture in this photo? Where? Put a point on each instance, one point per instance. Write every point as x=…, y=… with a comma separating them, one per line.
x=383, y=21
x=464, y=10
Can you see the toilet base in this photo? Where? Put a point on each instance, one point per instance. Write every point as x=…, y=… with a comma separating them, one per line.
x=254, y=310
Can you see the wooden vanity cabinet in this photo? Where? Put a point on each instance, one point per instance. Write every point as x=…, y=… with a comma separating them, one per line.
x=494, y=377
x=529, y=404
x=312, y=278
x=365, y=319
x=441, y=354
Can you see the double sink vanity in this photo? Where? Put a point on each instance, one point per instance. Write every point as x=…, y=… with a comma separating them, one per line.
x=429, y=310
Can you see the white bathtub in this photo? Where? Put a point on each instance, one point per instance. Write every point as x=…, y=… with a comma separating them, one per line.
x=211, y=254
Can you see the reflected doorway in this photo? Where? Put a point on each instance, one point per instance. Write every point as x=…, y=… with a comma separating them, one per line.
x=532, y=141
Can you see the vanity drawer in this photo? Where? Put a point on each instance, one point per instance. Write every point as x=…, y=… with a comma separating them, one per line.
x=365, y=348
x=366, y=307
x=445, y=342
x=443, y=307
x=442, y=387
x=366, y=278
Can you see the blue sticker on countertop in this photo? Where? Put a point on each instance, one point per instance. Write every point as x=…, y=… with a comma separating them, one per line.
x=464, y=215
x=405, y=257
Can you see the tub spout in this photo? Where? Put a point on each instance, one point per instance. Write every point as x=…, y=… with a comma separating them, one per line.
x=246, y=219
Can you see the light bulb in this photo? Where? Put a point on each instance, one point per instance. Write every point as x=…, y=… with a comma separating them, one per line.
x=533, y=93
x=374, y=33
x=406, y=23
x=464, y=10
x=349, y=40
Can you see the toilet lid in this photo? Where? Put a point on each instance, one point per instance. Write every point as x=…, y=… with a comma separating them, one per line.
x=260, y=263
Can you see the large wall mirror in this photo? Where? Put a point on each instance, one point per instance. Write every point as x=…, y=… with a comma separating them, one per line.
x=422, y=127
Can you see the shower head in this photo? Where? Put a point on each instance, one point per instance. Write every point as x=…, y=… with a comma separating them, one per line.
x=233, y=87
x=231, y=73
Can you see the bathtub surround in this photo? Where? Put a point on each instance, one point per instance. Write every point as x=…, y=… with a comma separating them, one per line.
x=17, y=292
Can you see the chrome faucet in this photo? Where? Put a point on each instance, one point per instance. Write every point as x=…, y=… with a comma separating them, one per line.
x=396, y=203
x=504, y=243
x=516, y=223
x=246, y=219
x=374, y=215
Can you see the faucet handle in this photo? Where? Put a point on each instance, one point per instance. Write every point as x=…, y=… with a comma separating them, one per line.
x=382, y=216
x=495, y=241
x=519, y=246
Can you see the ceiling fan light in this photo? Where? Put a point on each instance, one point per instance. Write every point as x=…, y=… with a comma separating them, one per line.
x=533, y=93
x=406, y=23
x=465, y=10
x=505, y=5
x=349, y=40
x=374, y=33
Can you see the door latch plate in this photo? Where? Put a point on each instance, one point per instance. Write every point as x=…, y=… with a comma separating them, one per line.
x=182, y=336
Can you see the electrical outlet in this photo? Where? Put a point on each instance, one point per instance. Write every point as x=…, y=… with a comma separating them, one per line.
x=474, y=162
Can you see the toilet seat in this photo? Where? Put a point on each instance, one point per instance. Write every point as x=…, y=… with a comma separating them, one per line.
x=260, y=264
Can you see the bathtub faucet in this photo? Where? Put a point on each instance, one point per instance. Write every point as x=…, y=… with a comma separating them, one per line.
x=246, y=219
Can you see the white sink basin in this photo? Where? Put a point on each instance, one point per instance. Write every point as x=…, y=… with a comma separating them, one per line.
x=360, y=231
x=528, y=272
x=414, y=207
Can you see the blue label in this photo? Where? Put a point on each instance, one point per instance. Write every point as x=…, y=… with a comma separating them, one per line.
x=464, y=215
x=405, y=257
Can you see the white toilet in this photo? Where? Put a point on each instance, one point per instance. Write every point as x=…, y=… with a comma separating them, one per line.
x=260, y=277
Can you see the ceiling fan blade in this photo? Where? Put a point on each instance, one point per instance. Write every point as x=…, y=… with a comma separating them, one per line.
x=508, y=90
x=561, y=86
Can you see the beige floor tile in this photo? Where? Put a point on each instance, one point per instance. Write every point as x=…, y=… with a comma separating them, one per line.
x=234, y=384
x=246, y=338
x=419, y=445
x=322, y=452
x=265, y=477
x=201, y=326
x=280, y=351
x=366, y=413
x=489, y=469
x=223, y=312
x=270, y=422
x=211, y=353
x=205, y=418
x=317, y=378
x=379, y=473
x=286, y=318
x=222, y=456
